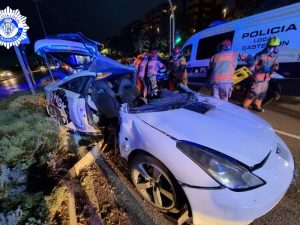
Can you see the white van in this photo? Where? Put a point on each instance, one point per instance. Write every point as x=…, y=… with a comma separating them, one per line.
x=250, y=35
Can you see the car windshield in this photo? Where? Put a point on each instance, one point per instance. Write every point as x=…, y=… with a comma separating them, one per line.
x=170, y=100
x=74, y=60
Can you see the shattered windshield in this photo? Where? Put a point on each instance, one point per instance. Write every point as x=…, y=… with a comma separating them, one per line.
x=170, y=100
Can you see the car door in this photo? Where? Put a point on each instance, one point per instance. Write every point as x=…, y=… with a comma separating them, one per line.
x=73, y=95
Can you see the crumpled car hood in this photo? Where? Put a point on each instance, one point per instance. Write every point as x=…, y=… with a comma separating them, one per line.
x=225, y=127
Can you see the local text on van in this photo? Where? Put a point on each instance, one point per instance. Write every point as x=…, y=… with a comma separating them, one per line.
x=262, y=46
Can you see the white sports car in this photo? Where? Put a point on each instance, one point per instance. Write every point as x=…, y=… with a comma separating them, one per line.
x=206, y=160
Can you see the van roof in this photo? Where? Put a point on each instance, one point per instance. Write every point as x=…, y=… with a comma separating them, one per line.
x=275, y=14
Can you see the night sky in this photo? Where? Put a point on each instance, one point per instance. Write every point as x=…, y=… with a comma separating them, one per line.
x=96, y=19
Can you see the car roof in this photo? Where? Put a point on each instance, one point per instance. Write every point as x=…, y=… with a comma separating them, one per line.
x=68, y=43
x=55, y=45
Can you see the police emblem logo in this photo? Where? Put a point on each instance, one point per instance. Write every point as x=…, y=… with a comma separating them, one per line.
x=13, y=27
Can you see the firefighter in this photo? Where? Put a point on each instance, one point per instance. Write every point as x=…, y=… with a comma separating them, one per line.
x=136, y=64
x=154, y=65
x=177, y=69
x=141, y=80
x=137, y=61
x=222, y=66
x=266, y=62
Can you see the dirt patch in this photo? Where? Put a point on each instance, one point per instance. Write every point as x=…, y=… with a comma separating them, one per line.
x=114, y=199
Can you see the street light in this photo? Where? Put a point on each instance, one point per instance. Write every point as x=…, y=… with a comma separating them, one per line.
x=39, y=14
x=172, y=26
x=224, y=12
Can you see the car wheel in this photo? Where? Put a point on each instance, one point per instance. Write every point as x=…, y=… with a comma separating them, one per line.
x=156, y=184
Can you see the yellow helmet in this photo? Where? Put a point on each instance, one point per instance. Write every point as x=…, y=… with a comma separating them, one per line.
x=273, y=42
x=161, y=54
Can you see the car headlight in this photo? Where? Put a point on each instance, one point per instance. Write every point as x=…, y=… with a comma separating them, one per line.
x=225, y=170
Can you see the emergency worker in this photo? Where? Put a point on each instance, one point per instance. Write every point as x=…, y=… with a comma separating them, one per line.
x=177, y=69
x=154, y=65
x=142, y=80
x=222, y=66
x=136, y=64
x=266, y=62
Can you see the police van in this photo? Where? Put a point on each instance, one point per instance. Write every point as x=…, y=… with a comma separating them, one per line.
x=250, y=35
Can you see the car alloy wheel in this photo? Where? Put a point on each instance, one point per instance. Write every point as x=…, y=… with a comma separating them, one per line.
x=156, y=184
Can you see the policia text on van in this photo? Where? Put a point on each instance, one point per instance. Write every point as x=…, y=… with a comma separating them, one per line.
x=273, y=30
x=250, y=35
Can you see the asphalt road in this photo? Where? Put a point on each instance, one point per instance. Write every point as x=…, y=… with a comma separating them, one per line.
x=284, y=116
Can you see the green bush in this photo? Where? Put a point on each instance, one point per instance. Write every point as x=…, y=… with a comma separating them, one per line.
x=28, y=141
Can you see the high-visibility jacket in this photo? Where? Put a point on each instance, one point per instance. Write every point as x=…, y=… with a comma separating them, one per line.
x=153, y=66
x=264, y=60
x=223, y=64
x=142, y=67
x=137, y=62
x=179, y=66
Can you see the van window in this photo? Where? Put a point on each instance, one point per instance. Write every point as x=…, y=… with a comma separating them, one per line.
x=207, y=47
x=186, y=52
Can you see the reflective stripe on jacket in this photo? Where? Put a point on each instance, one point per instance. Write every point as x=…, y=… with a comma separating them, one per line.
x=142, y=67
x=153, y=66
x=223, y=65
x=264, y=59
x=136, y=64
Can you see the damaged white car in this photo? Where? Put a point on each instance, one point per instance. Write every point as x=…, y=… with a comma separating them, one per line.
x=207, y=160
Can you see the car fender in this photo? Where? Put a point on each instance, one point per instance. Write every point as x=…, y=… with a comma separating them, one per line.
x=137, y=134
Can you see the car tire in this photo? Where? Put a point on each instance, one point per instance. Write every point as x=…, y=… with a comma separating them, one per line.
x=156, y=184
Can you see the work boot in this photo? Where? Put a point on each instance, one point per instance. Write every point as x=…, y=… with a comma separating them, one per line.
x=246, y=106
x=276, y=96
x=258, y=108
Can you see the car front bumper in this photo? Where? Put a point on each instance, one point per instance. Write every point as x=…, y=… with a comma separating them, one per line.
x=226, y=207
